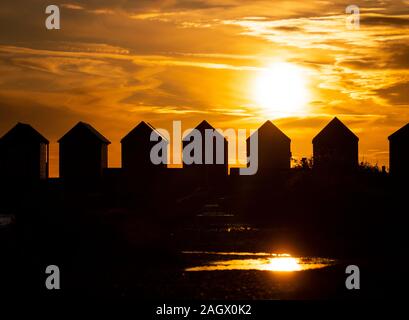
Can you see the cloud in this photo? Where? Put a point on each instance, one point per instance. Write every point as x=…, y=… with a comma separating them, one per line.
x=72, y=6
x=385, y=20
x=114, y=63
x=397, y=94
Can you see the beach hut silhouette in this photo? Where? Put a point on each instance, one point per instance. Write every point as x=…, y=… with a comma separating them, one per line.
x=142, y=177
x=83, y=153
x=399, y=152
x=335, y=148
x=24, y=154
x=215, y=169
x=136, y=148
x=274, y=149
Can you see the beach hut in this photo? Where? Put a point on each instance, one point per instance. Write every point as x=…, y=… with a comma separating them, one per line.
x=24, y=154
x=399, y=152
x=136, y=149
x=274, y=149
x=83, y=153
x=208, y=161
x=335, y=148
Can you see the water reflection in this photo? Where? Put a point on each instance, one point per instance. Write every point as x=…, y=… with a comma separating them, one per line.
x=264, y=262
x=284, y=264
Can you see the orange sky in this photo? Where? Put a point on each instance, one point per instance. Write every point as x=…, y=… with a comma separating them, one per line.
x=115, y=63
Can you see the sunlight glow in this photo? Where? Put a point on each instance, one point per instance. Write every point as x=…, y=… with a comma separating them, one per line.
x=281, y=90
x=259, y=261
x=284, y=264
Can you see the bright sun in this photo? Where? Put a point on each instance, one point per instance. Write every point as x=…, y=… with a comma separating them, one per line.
x=281, y=89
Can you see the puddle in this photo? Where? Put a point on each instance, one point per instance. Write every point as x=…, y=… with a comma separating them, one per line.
x=258, y=261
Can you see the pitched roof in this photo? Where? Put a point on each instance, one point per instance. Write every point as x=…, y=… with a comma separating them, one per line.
x=202, y=127
x=23, y=132
x=270, y=130
x=143, y=128
x=402, y=132
x=84, y=128
x=335, y=129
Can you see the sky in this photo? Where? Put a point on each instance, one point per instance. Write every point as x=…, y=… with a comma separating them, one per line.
x=114, y=63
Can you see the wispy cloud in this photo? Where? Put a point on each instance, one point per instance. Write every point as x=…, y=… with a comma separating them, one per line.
x=114, y=63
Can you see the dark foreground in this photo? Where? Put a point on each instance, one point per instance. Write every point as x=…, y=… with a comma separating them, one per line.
x=103, y=262
x=136, y=252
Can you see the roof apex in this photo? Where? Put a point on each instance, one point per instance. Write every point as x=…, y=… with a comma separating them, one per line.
x=88, y=128
x=24, y=131
x=139, y=128
x=335, y=127
x=271, y=129
x=202, y=127
x=400, y=132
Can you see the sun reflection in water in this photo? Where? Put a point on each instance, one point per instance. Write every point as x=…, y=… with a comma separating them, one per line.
x=284, y=264
x=263, y=262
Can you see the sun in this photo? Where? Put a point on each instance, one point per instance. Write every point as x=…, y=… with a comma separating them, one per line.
x=281, y=90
